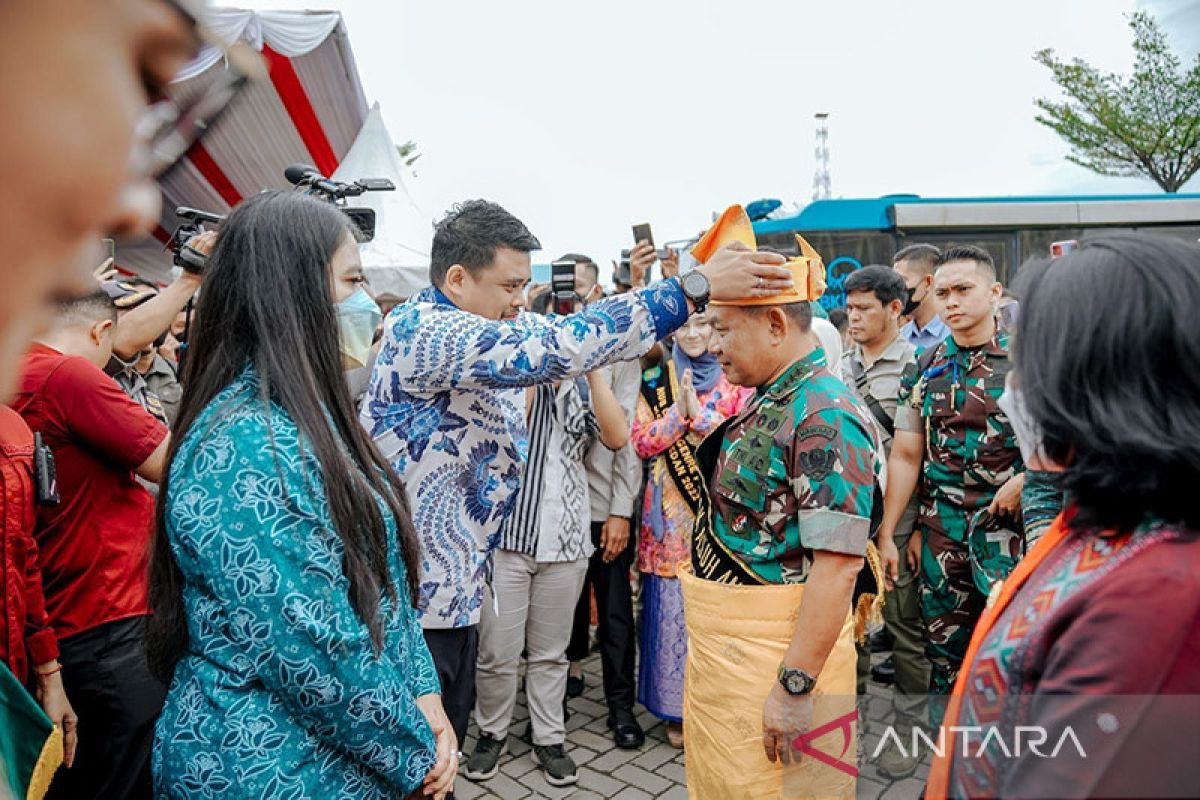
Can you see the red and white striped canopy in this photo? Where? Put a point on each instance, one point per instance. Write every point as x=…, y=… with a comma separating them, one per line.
x=310, y=112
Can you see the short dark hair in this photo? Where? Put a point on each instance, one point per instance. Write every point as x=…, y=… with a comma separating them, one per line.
x=924, y=256
x=1109, y=366
x=885, y=282
x=840, y=319
x=585, y=262
x=800, y=313
x=95, y=306
x=469, y=235
x=969, y=252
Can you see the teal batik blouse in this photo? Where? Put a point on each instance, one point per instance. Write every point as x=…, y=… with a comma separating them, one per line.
x=280, y=693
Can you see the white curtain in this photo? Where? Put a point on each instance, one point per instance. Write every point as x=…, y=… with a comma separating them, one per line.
x=289, y=33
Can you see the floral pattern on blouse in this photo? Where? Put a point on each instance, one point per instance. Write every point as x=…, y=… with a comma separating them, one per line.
x=280, y=693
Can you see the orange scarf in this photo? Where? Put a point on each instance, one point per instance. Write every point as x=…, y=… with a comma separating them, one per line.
x=939, y=774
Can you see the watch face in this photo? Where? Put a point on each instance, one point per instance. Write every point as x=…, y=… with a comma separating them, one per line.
x=797, y=682
x=695, y=284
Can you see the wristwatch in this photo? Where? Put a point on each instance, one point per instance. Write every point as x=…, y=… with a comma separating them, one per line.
x=795, y=680
x=696, y=288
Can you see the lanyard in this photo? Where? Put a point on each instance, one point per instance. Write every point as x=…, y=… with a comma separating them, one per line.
x=952, y=366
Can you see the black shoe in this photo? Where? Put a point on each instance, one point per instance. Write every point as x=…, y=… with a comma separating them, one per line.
x=559, y=767
x=627, y=733
x=574, y=686
x=881, y=641
x=885, y=671
x=484, y=763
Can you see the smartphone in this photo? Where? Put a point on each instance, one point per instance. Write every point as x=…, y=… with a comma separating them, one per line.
x=641, y=233
x=539, y=273
x=110, y=249
x=562, y=283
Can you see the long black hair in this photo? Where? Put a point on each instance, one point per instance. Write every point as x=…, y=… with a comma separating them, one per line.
x=267, y=302
x=1108, y=353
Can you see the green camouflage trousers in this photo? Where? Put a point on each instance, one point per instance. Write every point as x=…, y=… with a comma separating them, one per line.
x=950, y=607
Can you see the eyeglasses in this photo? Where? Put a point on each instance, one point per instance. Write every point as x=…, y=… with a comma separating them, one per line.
x=168, y=128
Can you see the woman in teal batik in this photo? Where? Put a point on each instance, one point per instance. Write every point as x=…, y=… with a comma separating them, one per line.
x=285, y=562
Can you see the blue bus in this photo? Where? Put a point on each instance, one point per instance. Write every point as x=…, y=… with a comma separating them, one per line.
x=854, y=232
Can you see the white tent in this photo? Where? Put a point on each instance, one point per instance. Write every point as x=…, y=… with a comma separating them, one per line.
x=310, y=111
x=397, y=259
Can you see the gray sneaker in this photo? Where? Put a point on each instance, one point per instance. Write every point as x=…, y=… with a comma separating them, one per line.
x=484, y=763
x=560, y=769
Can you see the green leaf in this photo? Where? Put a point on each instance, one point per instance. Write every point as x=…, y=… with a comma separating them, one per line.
x=1146, y=123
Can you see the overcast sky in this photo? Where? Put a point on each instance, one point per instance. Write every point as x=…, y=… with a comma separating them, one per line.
x=583, y=118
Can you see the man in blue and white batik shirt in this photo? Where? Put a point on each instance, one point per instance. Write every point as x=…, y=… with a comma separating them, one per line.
x=446, y=403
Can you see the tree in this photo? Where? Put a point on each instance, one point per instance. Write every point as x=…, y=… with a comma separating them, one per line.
x=1143, y=124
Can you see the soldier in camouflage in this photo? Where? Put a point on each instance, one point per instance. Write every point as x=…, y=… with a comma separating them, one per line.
x=953, y=440
x=777, y=550
x=796, y=473
x=791, y=484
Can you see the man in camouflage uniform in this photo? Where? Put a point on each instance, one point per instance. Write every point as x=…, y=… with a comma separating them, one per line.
x=953, y=439
x=791, y=483
x=793, y=464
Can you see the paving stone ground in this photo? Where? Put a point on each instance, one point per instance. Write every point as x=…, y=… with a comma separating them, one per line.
x=654, y=771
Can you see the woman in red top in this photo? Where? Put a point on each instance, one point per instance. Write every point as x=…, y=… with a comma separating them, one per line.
x=1081, y=679
x=27, y=643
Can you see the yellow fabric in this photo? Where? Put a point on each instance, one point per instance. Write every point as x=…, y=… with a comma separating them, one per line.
x=737, y=636
x=47, y=764
x=868, y=610
x=733, y=226
x=808, y=270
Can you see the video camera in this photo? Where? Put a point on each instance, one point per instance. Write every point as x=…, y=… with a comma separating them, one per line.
x=305, y=176
x=193, y=225
x=302, y=176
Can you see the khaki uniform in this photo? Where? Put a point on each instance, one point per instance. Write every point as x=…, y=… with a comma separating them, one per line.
x=902, y=612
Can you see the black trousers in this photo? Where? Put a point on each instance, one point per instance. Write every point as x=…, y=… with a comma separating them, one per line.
x=614, y=604
x=109, y=684
x=454, y=651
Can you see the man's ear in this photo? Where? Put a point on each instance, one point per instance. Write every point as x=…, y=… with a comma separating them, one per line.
x=778, y=320
x=894, y=308
x=100, y=329
x=456, y=276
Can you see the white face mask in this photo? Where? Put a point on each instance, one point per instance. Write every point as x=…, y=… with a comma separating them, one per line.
x=358, y=316
x=1029, y=436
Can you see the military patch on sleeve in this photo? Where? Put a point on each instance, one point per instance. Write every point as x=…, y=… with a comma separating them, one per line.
x=809, y=431
x=817, y=464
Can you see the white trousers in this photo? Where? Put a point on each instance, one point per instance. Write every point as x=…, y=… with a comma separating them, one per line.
x=537, y=607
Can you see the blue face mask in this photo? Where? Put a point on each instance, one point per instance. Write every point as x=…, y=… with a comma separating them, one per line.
x=358, y=317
